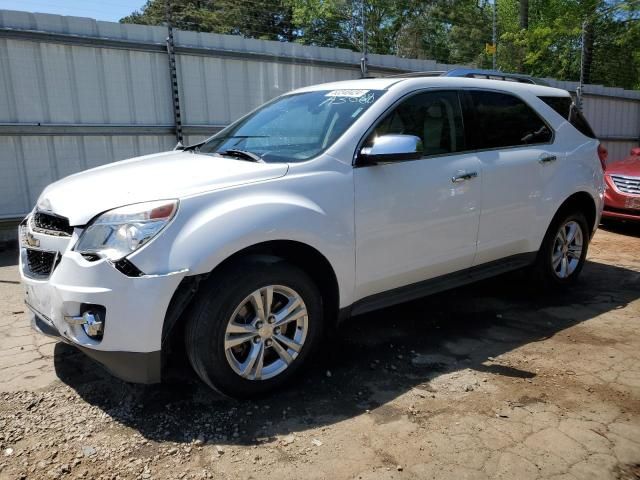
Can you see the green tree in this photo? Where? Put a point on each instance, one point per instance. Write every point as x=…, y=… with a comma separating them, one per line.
x=268, y=19
x=338, y=23
x=616, y=48
x=426, y=36
x=551, y=45
x=547, y=43
x=448, y=31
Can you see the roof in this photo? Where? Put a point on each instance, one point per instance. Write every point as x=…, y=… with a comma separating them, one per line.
x=436, y=82
x=382, y=83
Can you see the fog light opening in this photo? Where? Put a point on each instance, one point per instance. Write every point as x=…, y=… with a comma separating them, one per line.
x=93, y=324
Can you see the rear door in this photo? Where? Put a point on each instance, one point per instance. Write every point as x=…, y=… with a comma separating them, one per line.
x=518, y=156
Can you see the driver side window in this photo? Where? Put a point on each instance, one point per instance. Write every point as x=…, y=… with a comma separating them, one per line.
x=434, y=117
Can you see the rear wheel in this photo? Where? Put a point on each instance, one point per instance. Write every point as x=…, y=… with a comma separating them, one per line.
x=564, y=250
x=254, y=327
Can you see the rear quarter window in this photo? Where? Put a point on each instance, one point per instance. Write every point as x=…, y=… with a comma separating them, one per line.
x=568, y=110
x=503, y=120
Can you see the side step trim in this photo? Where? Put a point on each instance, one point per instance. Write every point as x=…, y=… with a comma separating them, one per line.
x=442, y=283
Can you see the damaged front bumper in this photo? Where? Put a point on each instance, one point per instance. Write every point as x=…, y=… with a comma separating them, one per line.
x=114, y=318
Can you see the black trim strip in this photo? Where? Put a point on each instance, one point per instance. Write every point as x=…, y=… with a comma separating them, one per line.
x=103, y=42
x=621, y=138
x=442, y=283
x=604, y=95
x=81, y=40
x=25, y=129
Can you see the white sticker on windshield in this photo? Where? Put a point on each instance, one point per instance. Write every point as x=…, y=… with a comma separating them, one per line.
x=347, y=93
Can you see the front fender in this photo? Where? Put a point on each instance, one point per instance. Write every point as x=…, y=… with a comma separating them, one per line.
x=211, y=228
x=225, y=228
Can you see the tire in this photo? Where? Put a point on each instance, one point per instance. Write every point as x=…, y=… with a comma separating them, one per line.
x=224, y=313
x=549, y=272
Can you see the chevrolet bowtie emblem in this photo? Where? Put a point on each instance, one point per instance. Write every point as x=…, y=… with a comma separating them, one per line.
x=30, y=240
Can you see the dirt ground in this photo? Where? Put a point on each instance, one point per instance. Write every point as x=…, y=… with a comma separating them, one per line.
x=488, y=381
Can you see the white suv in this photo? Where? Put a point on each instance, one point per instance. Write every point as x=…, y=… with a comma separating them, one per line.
x=329, y=201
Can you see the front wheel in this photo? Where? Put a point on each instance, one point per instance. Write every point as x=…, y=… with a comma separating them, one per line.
x=564, y=250
x=253, y=327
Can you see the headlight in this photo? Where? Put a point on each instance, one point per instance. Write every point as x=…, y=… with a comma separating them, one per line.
x=117, y=233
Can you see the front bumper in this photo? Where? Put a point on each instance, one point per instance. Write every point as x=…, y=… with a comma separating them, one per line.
x=627, y=215
x=135, y=307
x=619, y=205
x=137, y=367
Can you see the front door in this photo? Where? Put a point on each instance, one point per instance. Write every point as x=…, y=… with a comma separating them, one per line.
x=417, y=219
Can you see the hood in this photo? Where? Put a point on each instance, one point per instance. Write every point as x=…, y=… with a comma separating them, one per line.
x=166, y=175
x=630, y=166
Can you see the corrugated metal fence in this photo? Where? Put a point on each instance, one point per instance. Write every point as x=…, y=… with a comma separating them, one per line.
x=77, y=93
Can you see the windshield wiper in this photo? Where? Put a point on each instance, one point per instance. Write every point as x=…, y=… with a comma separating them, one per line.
x=243, y=154
x=239, y=136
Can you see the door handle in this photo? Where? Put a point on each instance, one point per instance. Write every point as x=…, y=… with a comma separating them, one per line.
x=464, y=177
x=547, y=159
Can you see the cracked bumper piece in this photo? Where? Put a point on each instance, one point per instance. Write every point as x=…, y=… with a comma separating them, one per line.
x=134, y=367
x=130, y=310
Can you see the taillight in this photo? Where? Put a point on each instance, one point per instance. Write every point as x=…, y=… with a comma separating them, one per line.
x=603, y=155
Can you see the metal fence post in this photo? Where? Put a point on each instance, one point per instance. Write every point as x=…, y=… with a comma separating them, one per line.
x=364, y=60
x=173, y=74
x=494, y=38
x=582, y=66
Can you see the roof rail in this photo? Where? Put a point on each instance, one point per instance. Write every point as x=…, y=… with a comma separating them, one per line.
x=476, y=73
x=433, y=73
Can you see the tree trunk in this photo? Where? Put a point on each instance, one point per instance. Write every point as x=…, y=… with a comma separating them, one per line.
x=587, y=52
x=524, y=14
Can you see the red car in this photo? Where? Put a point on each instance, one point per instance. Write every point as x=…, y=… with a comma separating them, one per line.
x=622, y=188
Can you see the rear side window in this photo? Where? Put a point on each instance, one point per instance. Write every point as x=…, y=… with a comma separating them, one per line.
x=567, y=109
x=577, y=120
x=502, y=120
x=562, y=105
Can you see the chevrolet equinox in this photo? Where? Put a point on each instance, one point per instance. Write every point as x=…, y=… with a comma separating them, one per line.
x=329, y=201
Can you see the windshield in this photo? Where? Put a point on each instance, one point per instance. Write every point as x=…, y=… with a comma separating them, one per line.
x=293, y=128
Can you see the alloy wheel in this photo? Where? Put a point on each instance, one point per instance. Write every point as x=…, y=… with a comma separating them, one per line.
x=567, y=249
x=266, y=332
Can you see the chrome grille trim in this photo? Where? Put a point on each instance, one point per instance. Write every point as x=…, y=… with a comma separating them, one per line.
x=626, y=184
x=40, y=252
x=51, y=224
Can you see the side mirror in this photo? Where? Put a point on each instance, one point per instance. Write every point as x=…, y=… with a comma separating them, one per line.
x=179, y=146
x=635, y=152
x=392, y=147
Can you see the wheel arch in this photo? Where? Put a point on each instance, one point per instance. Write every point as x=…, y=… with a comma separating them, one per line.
x=300, y=254
x=583, y=202
x=303, y=256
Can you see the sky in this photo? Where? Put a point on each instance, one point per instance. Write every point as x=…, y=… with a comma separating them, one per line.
x=107, y=10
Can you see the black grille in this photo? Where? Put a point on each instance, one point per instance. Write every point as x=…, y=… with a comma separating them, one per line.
x=51, y=224
x=40, y=263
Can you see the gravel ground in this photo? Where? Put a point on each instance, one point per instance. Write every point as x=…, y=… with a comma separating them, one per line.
x=488, y=381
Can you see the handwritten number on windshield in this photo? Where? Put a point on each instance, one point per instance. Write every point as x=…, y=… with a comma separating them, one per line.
x=337, y=100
